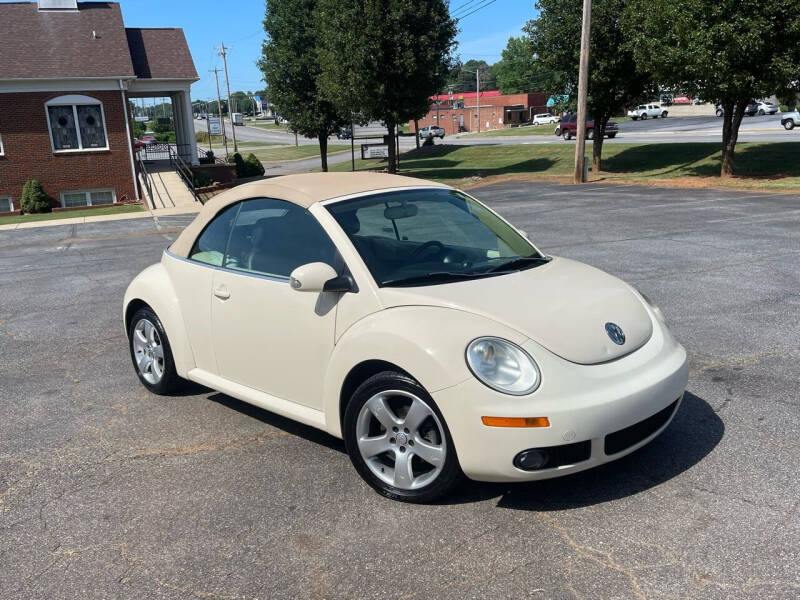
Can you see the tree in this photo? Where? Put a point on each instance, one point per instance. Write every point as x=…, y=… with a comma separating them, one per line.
x=518, y=72
x=555, y=38
x=292, y=71
x=384, y=59
x=462, y=76
x=718, y=51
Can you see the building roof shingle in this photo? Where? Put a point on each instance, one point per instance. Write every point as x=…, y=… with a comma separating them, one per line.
x=160, y=53
x=90, y=42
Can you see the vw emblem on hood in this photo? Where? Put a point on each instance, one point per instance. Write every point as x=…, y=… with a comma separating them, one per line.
x=616, y=334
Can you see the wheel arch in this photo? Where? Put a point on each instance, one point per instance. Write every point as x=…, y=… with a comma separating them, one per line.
x=153, y=288
x=427, y=343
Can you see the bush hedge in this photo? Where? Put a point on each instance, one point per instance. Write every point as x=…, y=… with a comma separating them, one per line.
x=248, y=167
x=33, y=199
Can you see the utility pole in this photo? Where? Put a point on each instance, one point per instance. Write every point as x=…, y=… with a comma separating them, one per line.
x=216, y=71
x=583, y=91
x=223, y=51
x=478, y=96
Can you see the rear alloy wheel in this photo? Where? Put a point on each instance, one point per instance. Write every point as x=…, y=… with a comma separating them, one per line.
x=788, y=125
x=151, y=353
x=590, y=134
x=761, y=112
x=720, y=112
x=664, y=115
x=398, y=441
x=567, y=134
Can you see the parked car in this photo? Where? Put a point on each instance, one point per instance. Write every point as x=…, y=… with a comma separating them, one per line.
x=137, y=144
x=568, y=127
x=431, y=131
x=767, y=108
x=647, y=110
x=749, y=111
x=544, y=119
x=413, y=322
x=344, y=133
x=148, y=138
x=790, y=120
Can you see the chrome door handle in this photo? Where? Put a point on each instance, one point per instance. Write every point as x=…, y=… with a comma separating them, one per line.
x=222, y=293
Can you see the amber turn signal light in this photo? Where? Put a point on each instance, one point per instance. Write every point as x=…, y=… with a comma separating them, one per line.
x=516, y=421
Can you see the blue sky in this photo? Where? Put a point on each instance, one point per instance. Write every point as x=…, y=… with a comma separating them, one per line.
x=483, y=35
x=237, y=23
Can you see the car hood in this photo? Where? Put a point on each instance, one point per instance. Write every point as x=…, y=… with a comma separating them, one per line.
x=563, y=305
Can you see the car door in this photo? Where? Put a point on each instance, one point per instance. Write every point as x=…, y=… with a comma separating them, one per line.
x=266, y=335
x=193, y=280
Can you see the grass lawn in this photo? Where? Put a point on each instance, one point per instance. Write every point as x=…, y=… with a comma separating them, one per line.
x=267, y=125
x=69, y=214
x=762, y=166
x=295, y=152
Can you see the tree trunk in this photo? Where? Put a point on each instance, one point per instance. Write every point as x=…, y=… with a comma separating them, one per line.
x=732, y=119
x=323, y=150
x=416, y=131
x=597, y=145
x=390, y=142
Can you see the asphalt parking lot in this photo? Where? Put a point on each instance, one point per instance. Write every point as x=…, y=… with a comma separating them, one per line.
x=109, y=492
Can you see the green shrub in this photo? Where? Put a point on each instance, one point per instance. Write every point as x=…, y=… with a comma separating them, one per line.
x=254, y=165
x=33, y=199
x=250, y=167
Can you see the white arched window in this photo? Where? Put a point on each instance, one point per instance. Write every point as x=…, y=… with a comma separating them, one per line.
x=76, y=123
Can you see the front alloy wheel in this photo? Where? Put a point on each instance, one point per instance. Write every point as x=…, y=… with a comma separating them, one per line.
x=398, y=441
x=788, y=125
x=151, y=353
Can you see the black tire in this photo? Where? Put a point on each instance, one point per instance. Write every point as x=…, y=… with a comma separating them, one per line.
x=720, y=112
x=664, y=115
x=788, y=125
x=612, y=135
x=170, y=381
x=450, y=473
x=567, y=135
x=635, y=118
x=644, y=116
x=761, y=112
x=557, y=131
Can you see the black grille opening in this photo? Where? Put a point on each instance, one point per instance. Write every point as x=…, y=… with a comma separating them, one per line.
x=630, y=436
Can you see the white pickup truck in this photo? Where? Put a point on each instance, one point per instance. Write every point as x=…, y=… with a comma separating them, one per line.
x=790, y=120
x=647, y=110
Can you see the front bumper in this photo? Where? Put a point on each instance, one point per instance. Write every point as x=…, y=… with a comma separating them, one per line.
x=584, y=403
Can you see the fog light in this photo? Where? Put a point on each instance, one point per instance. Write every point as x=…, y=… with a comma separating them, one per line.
x=531, y=460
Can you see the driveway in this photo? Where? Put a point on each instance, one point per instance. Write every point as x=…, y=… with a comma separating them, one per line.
x=109, y=492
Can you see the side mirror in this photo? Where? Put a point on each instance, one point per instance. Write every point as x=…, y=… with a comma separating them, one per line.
x=319, y=277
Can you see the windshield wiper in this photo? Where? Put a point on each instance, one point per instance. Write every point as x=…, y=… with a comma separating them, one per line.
x=519, y=262
x=435, y=277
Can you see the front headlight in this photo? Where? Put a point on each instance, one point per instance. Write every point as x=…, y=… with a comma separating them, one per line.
x=503, y=366
x=654, y=307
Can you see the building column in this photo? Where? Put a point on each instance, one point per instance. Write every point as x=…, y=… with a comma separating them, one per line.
x=185, y=99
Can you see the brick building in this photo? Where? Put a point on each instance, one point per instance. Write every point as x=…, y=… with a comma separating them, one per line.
x=459, y=112
x=67, y=72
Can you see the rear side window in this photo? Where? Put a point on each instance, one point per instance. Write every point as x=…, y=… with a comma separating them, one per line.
x=274, y=237
x=210, y=246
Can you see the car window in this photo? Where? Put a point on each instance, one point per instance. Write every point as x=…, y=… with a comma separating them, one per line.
x=274, y=237
x=210, y=245
x=414, y=233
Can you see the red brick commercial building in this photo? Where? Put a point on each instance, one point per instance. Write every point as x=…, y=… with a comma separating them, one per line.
x=67, y=72
x=460, y=112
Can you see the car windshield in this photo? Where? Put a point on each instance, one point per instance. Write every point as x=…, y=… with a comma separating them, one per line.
x=431, y=236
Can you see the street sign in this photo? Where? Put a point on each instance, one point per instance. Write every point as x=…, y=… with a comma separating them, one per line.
x=214, y=126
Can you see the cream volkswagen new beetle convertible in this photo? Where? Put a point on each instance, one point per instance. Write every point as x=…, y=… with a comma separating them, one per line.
x=413, y=322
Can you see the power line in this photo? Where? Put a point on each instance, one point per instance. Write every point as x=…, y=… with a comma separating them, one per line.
x=462, y=6
x=476, y=9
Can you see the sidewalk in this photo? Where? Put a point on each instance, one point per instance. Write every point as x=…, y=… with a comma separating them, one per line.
x=145, y=214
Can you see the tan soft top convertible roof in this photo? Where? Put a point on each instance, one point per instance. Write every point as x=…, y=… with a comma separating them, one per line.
x=303, y=190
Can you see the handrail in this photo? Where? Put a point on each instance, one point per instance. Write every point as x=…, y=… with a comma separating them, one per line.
x=184, y=170
x=146, y=175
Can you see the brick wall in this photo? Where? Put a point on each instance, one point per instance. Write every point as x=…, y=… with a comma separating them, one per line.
x=29, y=154
x=492, y=112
